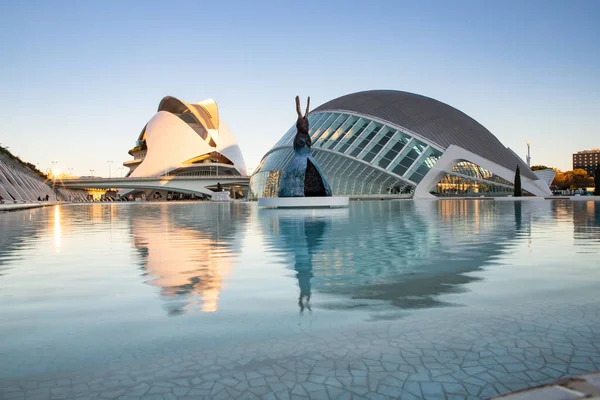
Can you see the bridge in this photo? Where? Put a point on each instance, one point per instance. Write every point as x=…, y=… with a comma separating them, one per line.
x=183, y=184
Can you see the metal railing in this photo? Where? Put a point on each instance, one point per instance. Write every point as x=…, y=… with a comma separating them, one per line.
x=153, y=178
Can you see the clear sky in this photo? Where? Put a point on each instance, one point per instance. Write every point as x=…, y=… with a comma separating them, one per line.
x=79, y=80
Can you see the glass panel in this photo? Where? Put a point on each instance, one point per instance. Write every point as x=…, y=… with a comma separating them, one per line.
x=323, y=126
x=426, y=162
x=370, y=140
x=354, y=133
x=391, y=154
x=341, y=132
x=369, y=156
x=287, y=137
x=313, y=125
x=330, y=130
x=453, y=185
x=376, y=145
x=366, y=138
x=405, y=162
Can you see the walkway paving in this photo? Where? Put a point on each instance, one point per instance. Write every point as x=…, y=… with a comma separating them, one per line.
x=23, y=206
x=482, y=353
x=580, y=387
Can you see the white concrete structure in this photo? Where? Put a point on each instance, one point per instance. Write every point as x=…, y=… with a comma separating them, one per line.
x=547, y=175
x=455, y=154
x=19, y=185
x=303, y=202
x=180, y=184
x=186, y=139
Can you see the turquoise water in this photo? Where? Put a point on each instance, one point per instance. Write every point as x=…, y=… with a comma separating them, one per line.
x=83, y=285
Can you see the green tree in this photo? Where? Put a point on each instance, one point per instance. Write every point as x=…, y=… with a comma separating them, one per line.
x=577, y=178
x=580, y=178
x=539, y=167
x=518, y=191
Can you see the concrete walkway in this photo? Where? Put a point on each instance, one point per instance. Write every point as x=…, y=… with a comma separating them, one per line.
x=24, y=206
x=579, y=387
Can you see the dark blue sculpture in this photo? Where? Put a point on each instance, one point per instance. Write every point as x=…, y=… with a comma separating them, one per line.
x=302, y=176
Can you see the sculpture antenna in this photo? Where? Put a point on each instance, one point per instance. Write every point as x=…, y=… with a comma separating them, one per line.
x=298, y=110
x=307, y=107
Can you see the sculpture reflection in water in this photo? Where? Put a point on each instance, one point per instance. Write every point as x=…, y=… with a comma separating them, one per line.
x=405, y=254
x=314, y=228
x=303, y=232
x=187, y=256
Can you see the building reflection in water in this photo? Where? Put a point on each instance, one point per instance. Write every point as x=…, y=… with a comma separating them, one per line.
x=56, y=223
x=404, y=253
x=17, y=231
x=187, y=258
x=586, y=222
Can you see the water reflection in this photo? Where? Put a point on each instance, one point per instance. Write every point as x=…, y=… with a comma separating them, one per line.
x=188, y=255
x=402, y=253
x=56, y=223
x=123, y=268
x=518, y=215
x=302, y=233
x=18, y=230
x=586, y=222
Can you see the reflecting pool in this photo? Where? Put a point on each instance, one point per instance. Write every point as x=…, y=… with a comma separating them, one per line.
x=85, y=285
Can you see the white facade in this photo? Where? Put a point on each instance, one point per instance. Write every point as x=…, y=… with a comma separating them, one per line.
x=186, y=139
x=455, y=154
x=547, y=175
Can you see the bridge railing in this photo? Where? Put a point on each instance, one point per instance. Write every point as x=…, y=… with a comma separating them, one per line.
x=153, y=178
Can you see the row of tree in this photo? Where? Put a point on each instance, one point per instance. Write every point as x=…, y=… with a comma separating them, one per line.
x=578, y=178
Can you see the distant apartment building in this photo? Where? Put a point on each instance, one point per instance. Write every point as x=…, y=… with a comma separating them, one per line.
x=587, y=159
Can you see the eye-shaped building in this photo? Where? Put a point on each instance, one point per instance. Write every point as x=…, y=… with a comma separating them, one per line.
x=186, y=139
x=400, y=144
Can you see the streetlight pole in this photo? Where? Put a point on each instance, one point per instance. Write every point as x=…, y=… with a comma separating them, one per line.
x=92, y=172
x=109, y=167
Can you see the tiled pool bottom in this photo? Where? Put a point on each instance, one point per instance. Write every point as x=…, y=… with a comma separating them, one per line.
x=482, y=353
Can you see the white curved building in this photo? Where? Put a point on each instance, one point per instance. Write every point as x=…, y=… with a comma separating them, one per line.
x=186, y=139
x=400, y=144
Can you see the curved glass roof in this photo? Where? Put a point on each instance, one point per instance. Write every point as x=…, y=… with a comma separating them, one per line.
x=431, y=119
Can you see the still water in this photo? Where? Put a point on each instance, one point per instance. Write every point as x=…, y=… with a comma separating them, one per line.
x=83, y=285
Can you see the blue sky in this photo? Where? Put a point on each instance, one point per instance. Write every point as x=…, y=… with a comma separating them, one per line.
x=80, y=79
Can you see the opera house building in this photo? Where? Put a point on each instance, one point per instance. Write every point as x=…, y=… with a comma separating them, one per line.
x=386, y=143
x=184, y=139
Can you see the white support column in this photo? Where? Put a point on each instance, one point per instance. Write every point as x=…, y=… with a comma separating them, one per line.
x=455, y=154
